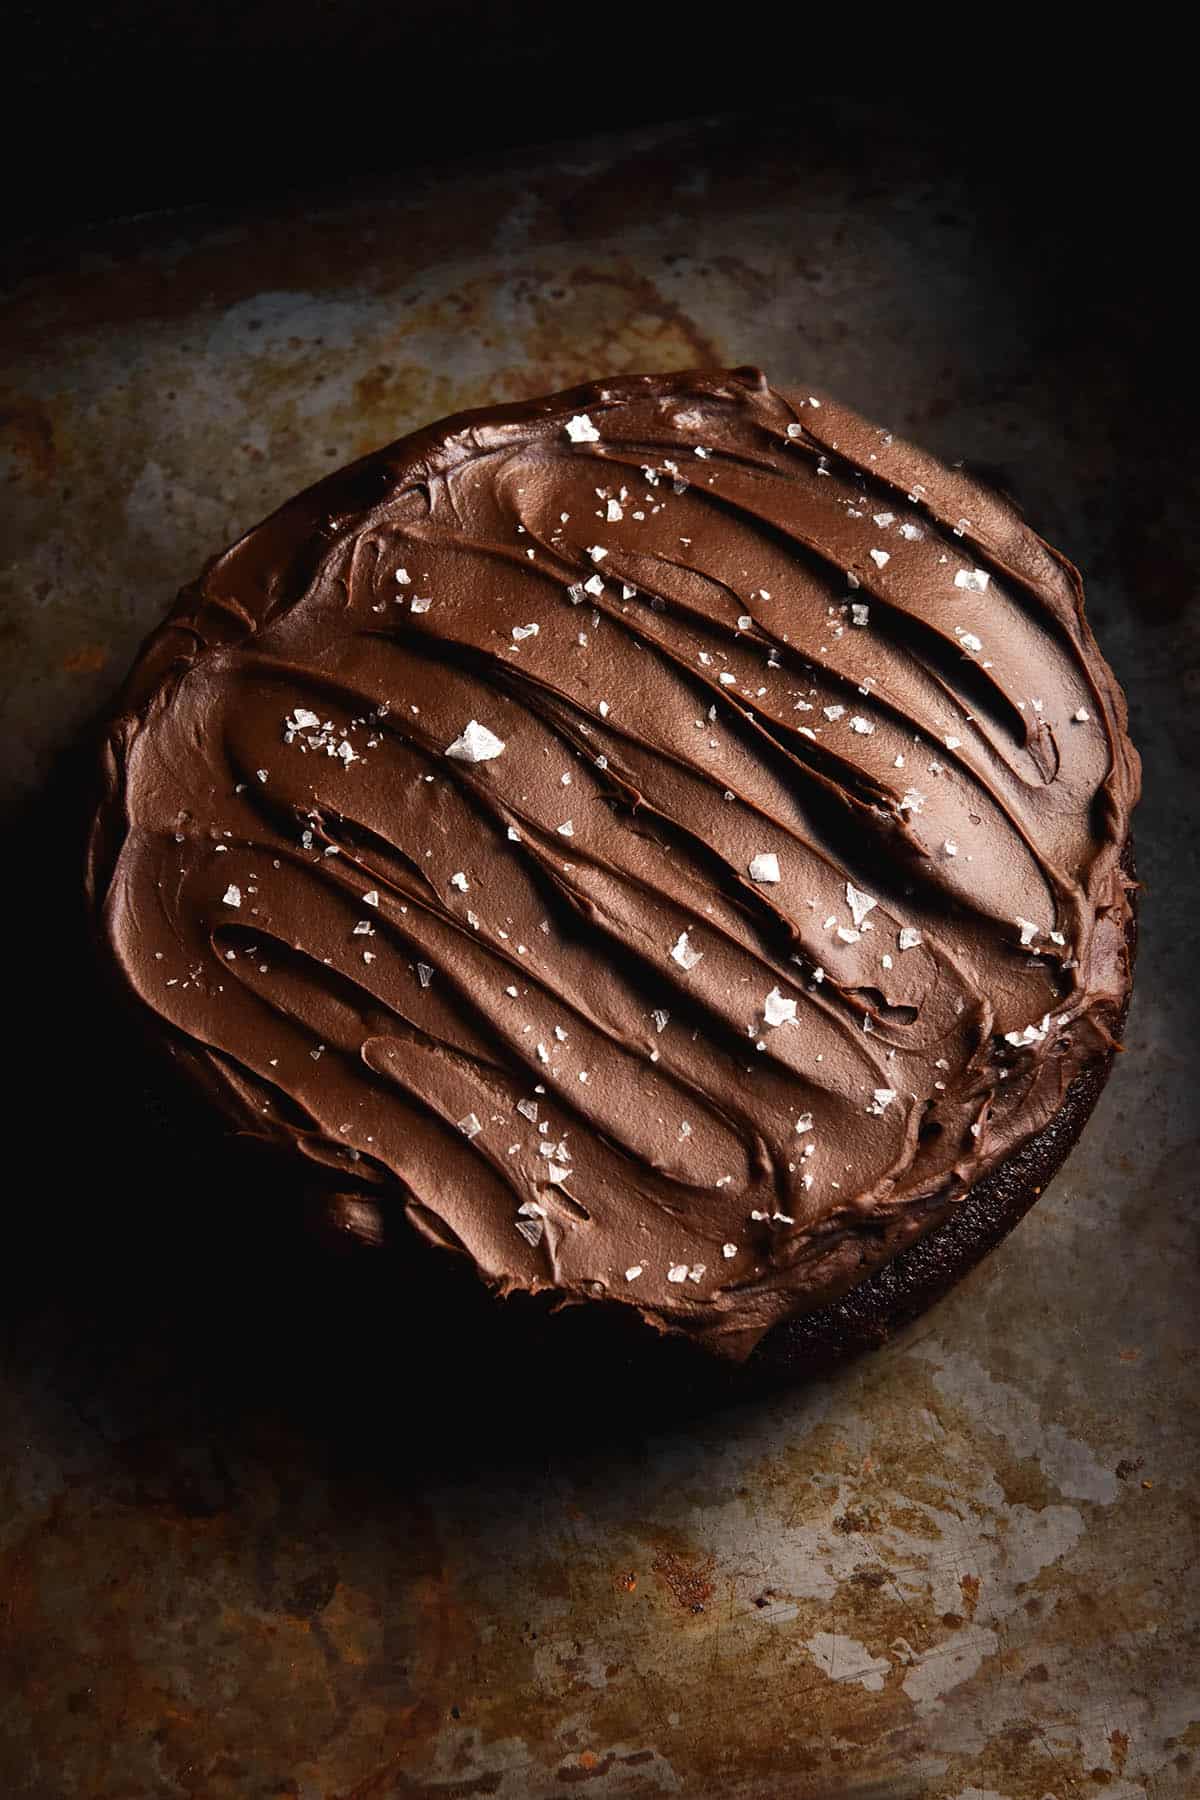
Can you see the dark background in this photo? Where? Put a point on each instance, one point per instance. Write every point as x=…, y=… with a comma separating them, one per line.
x=1076, y=147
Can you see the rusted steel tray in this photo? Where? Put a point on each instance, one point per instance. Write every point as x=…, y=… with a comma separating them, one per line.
x=260, y=1538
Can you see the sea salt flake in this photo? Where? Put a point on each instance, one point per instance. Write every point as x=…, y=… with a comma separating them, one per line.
x=458, y=880
x=726, y=679
x=777, y=1008
x=863, y=726
x=1030, y=1034
x=469, y=1126
x=884, y=519
x=860, y=613
x=804, y=1124
x=521, y=632
x=860, y=904
x=967, y=639
x=912, y=801
x=911, y=532
x=881, y=558
x=764, y=867
x=661, y=1018
x=232, y=895
x=833, y=713
x=881, y=1099
x=424, y=974
x=403, y=577
x=696, y=1272
x=633, y=1273
x=683, y=954
x=477, y=744
x=580, y=430
x=975, y=581
x=531, y=1230
x=677, y=1272
x=613, y=512
x=566, y=829
x=745, y=622
x=848, y=934
x=1081, y=715
x=1028, y=931
x=597, y=552
x=949, y=847
x=909, y=937
x=594, y=586
x=728, y=1251
x=952, y=743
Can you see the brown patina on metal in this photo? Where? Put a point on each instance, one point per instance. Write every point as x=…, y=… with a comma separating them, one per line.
x=255, y=1540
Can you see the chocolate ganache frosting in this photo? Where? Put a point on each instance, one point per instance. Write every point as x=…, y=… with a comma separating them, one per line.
x=663, y=840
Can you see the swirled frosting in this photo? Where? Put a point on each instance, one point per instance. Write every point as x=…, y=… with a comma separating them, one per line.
x=662, y=840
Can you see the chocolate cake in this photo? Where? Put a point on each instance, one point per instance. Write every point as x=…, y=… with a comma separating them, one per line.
x=664, y=846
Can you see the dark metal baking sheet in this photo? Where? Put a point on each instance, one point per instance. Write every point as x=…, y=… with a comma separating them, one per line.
x=962, y=1569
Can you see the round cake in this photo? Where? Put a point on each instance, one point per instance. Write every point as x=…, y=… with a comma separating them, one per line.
x=665, y=847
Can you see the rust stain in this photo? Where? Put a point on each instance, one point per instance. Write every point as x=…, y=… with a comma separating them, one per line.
x=349, y=1619
x=586, y=1767
x=418, y=1721
x=1118, y=1742
x=969, y=1585
x=864, y=1575
x=89, y=659
x=570, y=324
x=705, y=349
x=851, y=1521
x=30, y=434
x=690, y=1582
x=627, y=1581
